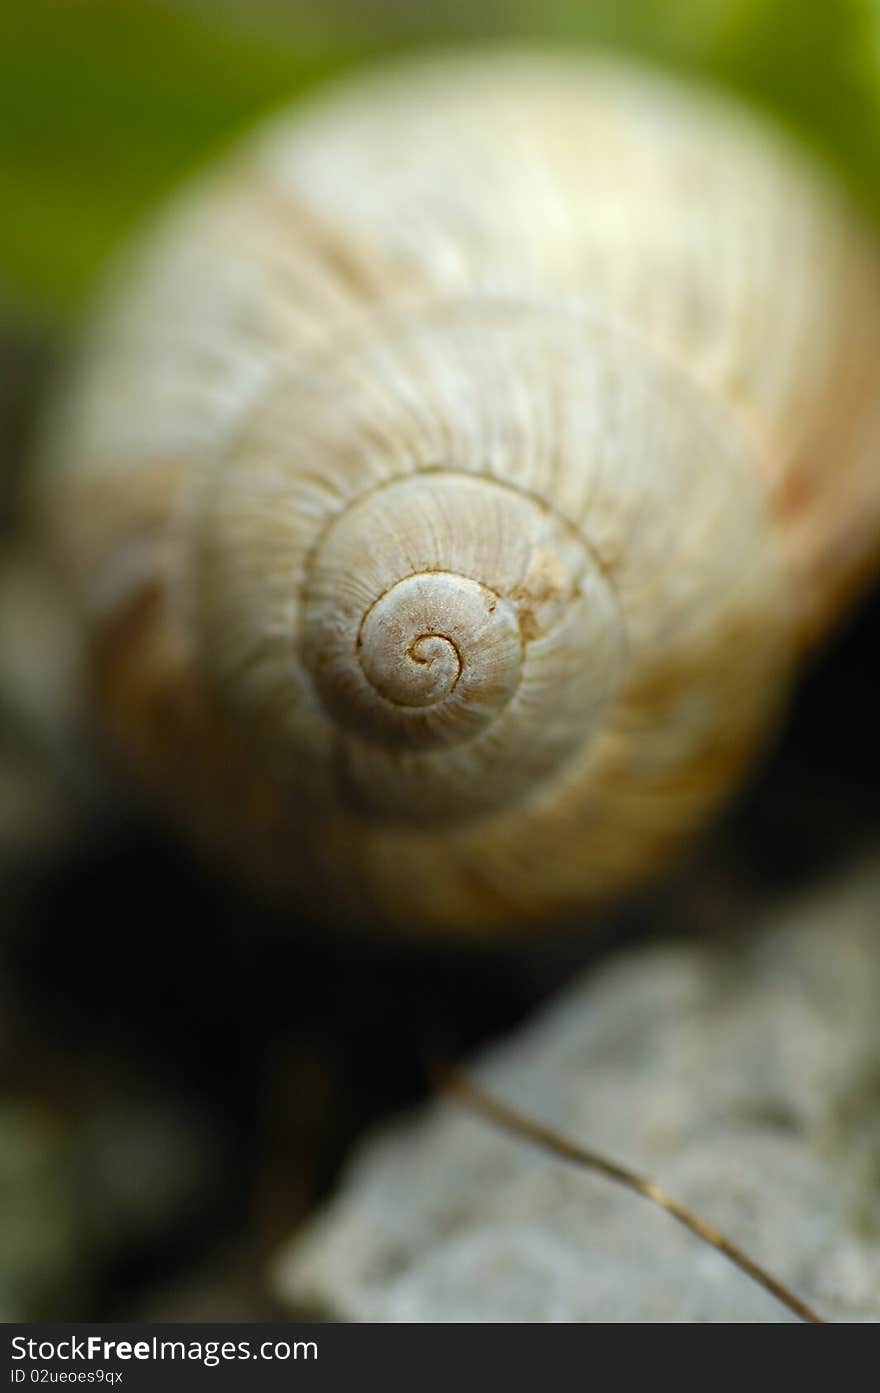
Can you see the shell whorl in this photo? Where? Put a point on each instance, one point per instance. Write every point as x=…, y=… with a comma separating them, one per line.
x=446, y=585
x=406, y=657
x=445, y=638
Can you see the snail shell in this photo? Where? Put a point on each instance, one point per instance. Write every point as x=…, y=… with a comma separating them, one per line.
x=452, y=480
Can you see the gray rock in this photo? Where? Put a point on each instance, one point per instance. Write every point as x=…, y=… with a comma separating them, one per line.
x=744, y=1078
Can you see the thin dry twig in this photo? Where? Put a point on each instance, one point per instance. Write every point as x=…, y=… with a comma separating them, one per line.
x=455, y=1085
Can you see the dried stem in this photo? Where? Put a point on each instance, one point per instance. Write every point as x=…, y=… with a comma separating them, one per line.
x=457, y=1086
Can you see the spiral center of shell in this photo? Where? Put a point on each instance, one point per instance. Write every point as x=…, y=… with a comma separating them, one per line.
x=436, y=656
x=451, y=624
x=410, y=665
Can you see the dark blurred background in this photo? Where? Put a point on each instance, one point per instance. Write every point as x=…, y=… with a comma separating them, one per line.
x=181, y=1075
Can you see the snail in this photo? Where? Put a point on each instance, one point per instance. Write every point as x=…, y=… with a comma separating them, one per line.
x=453, y=480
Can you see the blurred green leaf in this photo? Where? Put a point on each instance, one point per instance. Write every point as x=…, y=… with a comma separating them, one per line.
x=104, y=104
x=806, y=61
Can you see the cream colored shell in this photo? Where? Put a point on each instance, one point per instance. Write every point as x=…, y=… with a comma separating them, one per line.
x=452, y=478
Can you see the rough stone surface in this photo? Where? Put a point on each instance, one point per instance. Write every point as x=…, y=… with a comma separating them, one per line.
x=744, y=1078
